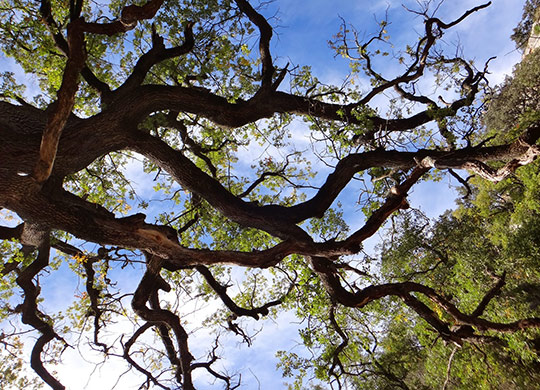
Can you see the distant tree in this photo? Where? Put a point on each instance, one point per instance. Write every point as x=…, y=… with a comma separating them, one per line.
x=525, y=28
x=515, y=103
x=177, y=85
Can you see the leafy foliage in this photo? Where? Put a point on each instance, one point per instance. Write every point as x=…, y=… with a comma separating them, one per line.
x=255, y=200
x=525, y=28
x=515, y=104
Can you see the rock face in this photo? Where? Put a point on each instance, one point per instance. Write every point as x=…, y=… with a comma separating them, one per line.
x=534, y=39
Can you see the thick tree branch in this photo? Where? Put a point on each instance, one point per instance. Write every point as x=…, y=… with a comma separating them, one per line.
x=163, y=330
x=404, y=290
x=36, y=236
x=433, y=31
x=265, y=31
x=208, y=366
x=156, y=54
x=9, y=233
x=261, y=179
x=496, y=175
x=61, y=109
x=336, y=361
x=127, y=347
x=441, y=24
x=194, y=147
x=278, y=220
x=492, y=293
x=93, y=293
x=62, y=43
x=151, y=98
x=395, y=201
x=221, y=291
x=65, y=212
x=129, y=17
x=150, y=284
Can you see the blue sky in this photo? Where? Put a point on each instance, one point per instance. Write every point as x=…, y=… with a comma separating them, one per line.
x=303, y=29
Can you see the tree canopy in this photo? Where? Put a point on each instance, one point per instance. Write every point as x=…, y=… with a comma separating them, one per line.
x=181, y=91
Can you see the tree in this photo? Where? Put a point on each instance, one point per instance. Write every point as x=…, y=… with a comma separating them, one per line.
x=186, y=94
x=525, y=28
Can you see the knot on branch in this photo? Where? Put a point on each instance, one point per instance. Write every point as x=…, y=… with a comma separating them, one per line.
x=160, y=237
x=133, y=13
x=426, y=162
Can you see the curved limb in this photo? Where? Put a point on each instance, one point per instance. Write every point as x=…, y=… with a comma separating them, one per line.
x=36, y=236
